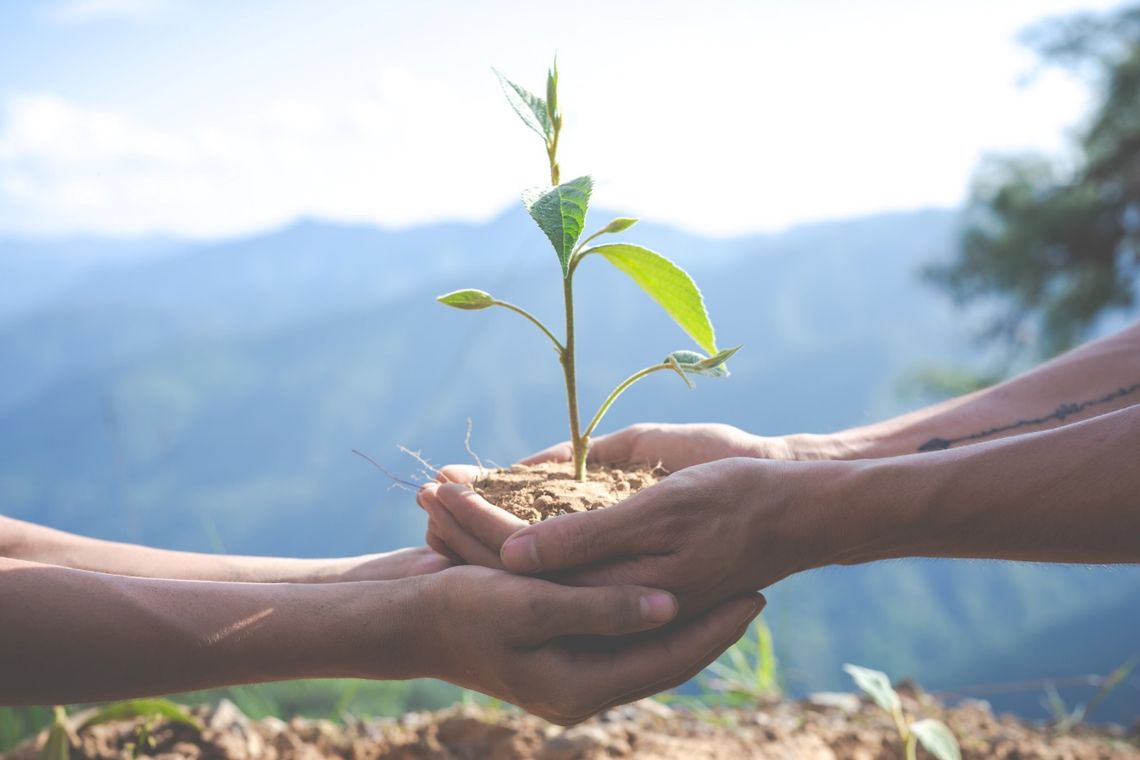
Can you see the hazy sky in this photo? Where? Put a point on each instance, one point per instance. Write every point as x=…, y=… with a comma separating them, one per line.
x=216, y=117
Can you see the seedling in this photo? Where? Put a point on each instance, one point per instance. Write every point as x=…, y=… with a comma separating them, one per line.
x=154, y=711
x=560, y=212
x=933, y=735
x=1064, y=719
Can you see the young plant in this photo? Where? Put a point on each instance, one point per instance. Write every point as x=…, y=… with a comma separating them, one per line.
x=932, y=734
x=560, y=212
x=748, y=672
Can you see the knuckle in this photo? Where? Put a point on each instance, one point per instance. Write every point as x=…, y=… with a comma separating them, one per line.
x=578, y=539
x=622, y=611
x=569, y=707
x=536, y=614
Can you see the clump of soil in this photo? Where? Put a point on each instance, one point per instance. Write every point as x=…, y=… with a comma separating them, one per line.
x=536, y=492
x=825, y=727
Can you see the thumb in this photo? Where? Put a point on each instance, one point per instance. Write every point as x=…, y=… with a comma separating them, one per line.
x=573, y=540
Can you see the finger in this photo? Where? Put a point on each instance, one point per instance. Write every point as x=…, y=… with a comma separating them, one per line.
x=459, y=540
x=578, y=539
x=559, y=452
x=460, y=473
x=489, y=524
x=439, y=545
x=404, y=563
x=556, y=611
x=611, y=448
x=693, y=671
x=674, y=656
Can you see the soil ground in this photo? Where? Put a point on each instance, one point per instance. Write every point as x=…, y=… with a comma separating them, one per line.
x=824, y=727
x=537, y=492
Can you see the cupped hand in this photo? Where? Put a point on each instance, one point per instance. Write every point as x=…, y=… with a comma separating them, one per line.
x=672, y=446
x=669, y=446
x=706, y=533
x=561, y=652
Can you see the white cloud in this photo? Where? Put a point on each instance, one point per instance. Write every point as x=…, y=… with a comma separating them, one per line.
x=755, y=127
x=77, y=11
x=391, y=156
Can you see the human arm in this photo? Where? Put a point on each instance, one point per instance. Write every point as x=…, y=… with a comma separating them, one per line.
x=1071, y=494
x=36, y=543
x=75, y=636
x=1099, y=377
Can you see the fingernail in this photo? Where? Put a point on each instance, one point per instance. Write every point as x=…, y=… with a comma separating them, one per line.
x=658, y=607
x=521, y=554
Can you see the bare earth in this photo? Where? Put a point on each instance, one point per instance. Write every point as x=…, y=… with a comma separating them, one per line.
x=829, y=726
x=537, y=492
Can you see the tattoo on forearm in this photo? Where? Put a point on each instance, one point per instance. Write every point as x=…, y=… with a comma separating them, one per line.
x=1059, y=414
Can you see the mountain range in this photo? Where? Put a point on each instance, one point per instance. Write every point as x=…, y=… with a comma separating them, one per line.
x=207, y=396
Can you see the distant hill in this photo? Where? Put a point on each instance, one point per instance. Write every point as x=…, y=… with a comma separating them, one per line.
x=208, y=397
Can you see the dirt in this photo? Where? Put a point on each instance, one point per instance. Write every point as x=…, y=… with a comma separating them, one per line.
x=821, y=728
x=537, y=492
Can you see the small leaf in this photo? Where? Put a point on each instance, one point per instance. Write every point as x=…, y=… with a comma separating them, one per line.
x=621, y=224
x=668, y=285
x=143, y=708
x=877, y=684
x=467, y=299
x=717, y=360
x=675, y=364
x=552, y=92
x=530, y=108
x=560, y=212
x=699, y=364
x=936, y=739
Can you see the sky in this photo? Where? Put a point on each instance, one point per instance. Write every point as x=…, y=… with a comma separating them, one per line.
x=213, y=118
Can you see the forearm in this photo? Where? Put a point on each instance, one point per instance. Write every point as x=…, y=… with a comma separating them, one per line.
x=1071, y=494
x=1095, y=379
x=35, y=543
x=75, y=636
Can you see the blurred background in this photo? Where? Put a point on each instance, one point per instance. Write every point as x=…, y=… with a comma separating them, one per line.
x=222, y=228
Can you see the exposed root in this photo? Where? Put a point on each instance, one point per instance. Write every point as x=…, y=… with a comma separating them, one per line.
x=429, y=471
x=396, y=482
x=471, y=453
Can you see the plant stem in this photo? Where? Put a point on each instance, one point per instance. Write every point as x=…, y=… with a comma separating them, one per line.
x=579, y=443
x=535, y=320
x=912, y=747
x=551, y=154
x=618, y=391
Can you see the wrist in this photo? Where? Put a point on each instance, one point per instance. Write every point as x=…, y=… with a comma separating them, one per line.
x=813, y=447
x=880, y=512
x=365, y=629
x=819, y=513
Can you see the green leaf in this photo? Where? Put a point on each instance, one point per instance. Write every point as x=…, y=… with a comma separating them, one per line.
x=699, y=364
x=530, y=108
x=552, y=92
x=560, y=212
x=467, y=299
x=668, y=285
x=877, y=684
x=936, y=739
x=143, y=708
x=621, y=224
x=675, y=365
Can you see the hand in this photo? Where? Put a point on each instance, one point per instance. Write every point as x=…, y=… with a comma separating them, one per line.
x=706, y=533
x=670, y=446
x=673, y=447
x=560, y=652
